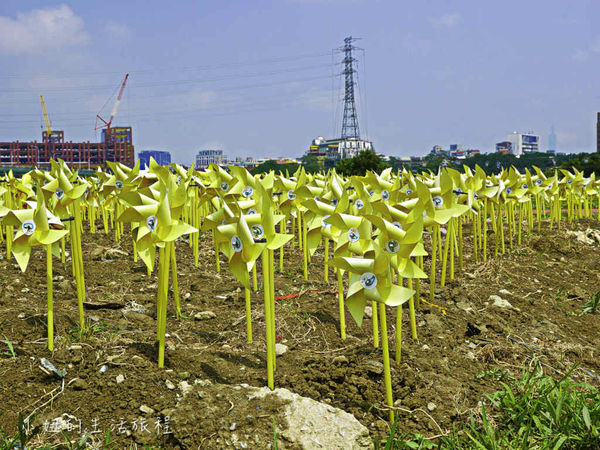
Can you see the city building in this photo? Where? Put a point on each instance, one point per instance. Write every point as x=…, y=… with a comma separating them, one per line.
x=523, y=143
x=116, y=145
x=336, y=149
x=206, y=157
x=161, y=157
x=454, y=151
x=504, y=147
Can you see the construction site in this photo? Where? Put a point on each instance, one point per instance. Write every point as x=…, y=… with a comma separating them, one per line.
x=116, y=144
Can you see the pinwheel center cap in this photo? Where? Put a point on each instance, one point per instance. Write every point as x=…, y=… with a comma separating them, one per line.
x=569, y=181
x=317, y=198
x=385, y=194
x=224, y=186
x=291, y=195
x=324, y=224
x=409, y=191
x=179, y=179
x=251, y=211
x=371, y=192
x=524, y=186
x=368, y=280
x=258, y=231
x=549, y=186
x=438, y=202
x=247, y=192
x=397, y=225
x=28, y=227
x=539, y=182
x=334, y=202
x=119, y=184
x=392, y=246
x=359, y=204
x=508, y=190
x=59, y=193
x=151, y=223
x=236, y=244
x=353, y=234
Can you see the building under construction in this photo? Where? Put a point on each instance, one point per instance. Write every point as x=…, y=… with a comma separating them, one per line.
x=116, y=145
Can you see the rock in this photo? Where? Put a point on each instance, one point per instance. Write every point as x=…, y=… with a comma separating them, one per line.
x=340, y=360
x=187, y=296
x=79, y=384
x=75, y=347
x=120, y=379
x=114, y=253
x=470, y=275
x=466, y=307
x=21, y=316
x=313, y=425
x=140, y=319
x=425, y=347
x=184, y=387
x=374, y=367
x=504, y=292
x=146, y=410
x=431, y=406
x=280, y=349
x=97, y=253
x=205, y=315
x=499, y=302
x=368, y=311
x=25, y=290
x=183, y=375
x=170, y=385
x=65, y=286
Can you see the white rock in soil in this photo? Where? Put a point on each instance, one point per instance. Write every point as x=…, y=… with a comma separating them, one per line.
x=184, y=387
x=499, y=302
x=170, y=385
x=504, y=292
x=120, y=379
x=146, y=409
x=368, y=312
x=312, y=424
x=431, y=406
x=205, y=315
x=280, y=349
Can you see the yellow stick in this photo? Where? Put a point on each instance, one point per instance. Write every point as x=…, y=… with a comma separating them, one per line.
x=304, y=248
x=387, y=374
x=398, y=334
x=325, y=259
x=374, y=319
x=433, y=260
x=411, y=311
x=248, y=315
x=341, y=304
x=254, y=279
x=445, y=256
x=217, y=261
x=162, y=293
x=268, y=332
x=50, y=298
x=174, y=280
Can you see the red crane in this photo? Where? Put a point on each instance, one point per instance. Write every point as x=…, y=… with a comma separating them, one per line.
x=114, y=111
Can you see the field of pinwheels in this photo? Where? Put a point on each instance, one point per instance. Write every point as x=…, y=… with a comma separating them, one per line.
x=141, y=307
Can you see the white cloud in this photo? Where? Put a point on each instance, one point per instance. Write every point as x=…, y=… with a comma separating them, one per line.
x=117, y=30
x=41, y=30
x=582, y=55
x=445, y=21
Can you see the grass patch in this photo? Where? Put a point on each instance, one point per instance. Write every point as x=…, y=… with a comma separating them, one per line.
x=535, y=411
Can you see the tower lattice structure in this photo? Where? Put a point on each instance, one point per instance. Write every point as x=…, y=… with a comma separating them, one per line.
x=350, y=120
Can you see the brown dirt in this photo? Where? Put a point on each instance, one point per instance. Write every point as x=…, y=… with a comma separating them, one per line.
x=548, y=279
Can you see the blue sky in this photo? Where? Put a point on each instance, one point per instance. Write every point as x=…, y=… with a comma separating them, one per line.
x=258, y=78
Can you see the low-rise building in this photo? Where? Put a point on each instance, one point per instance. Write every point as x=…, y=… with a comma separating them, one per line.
x=160, y=156
x=206, y=157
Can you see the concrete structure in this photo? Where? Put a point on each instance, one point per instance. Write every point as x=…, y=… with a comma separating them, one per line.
x=523, y=143
x=161, y=157
x=116, y=145
x=206, y=157
x=336, y=149
x=504, y=147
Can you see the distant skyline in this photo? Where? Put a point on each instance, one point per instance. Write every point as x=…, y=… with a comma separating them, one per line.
x=258, y=78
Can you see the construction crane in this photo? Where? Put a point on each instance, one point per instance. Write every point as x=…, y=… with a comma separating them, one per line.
x=114, y=110
x=46, y=120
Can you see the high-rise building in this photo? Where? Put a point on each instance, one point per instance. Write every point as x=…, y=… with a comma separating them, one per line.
x=523, y=143
x=161, y=157
x=205, y=157
x=552, y=139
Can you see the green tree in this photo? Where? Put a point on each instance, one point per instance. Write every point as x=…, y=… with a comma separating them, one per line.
x=271, y=164
x=310, y=163
x=365, y=161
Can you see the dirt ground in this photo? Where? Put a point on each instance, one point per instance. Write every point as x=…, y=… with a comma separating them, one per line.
x=112, y=371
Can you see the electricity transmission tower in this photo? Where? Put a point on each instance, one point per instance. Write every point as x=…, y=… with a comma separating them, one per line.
x=350, y=119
